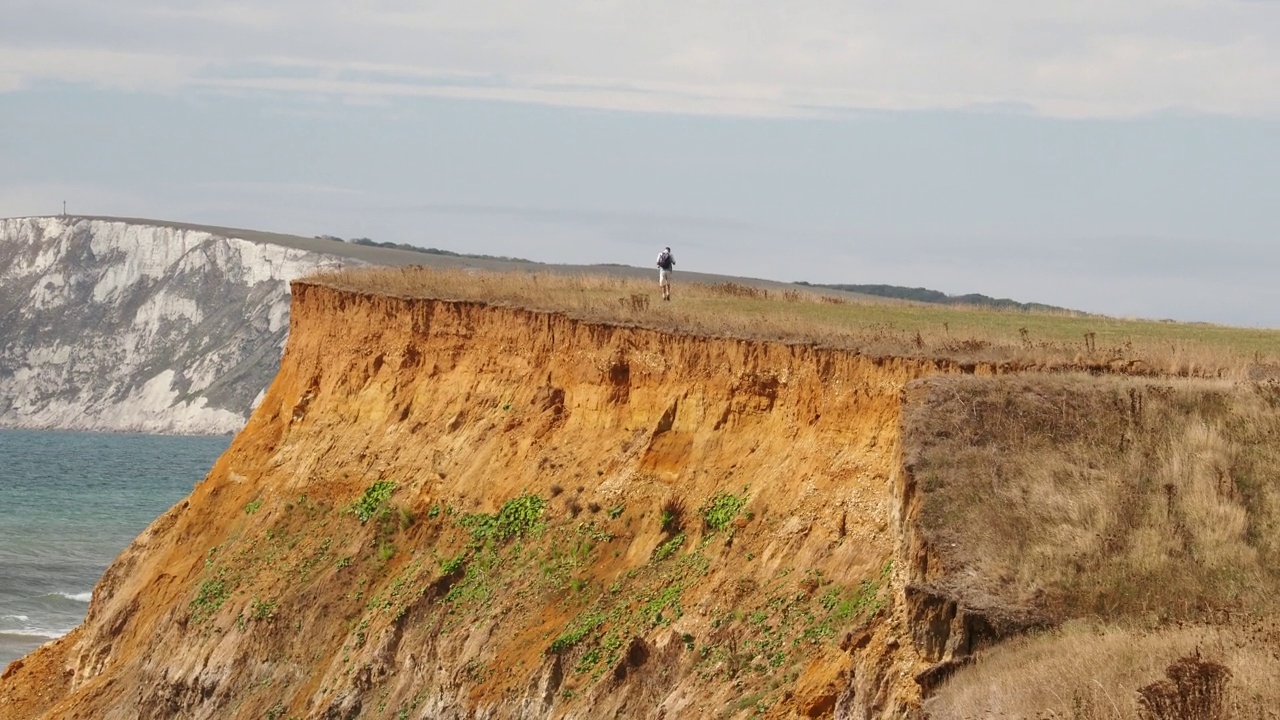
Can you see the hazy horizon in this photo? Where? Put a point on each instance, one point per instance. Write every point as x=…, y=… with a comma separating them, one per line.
x=1117, y=160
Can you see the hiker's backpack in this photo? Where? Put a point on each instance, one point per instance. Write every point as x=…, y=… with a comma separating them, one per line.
x=664, y=261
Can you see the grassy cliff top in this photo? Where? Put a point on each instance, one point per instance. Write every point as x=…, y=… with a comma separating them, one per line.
x=876, y=326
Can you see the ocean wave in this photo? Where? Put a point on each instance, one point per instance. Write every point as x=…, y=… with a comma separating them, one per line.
x=83, y=597
x=28, y=633
x=19, y=618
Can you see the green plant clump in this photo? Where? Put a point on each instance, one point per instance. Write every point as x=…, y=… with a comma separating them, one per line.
x=518, y=516
x=722, y=509
x=263, y=609
x=668, y=548
x=213, y=592
x=573, y=635
x=386, y=551
x=453, y=564
x=372, y=499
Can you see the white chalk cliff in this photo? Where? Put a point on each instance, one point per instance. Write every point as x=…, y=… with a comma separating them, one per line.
x=113, y=325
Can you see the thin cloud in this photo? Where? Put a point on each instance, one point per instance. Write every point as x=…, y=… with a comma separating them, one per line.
x=578, y=217
x=1083, y=58
x=562, y=92
x=254, y=187
x=101, y=67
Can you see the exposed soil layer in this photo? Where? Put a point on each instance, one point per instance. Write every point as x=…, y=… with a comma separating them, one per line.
x=444, y=509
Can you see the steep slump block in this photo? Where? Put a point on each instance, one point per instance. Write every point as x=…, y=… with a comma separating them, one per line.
x=467, y=406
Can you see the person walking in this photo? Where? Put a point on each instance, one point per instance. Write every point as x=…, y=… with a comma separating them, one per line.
x=666, y=263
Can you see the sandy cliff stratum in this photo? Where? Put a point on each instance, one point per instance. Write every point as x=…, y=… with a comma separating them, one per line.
x=451, y=510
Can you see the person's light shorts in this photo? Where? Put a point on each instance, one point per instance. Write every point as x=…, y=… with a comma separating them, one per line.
x=664, y=277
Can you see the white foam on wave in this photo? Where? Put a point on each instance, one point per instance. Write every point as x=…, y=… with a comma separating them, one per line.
x=35, y=632
x=19, y=618
x=83, y=597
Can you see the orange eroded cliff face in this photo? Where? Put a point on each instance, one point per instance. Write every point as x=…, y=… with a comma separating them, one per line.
x=445, y=509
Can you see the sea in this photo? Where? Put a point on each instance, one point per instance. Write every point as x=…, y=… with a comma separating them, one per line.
x=69, y=503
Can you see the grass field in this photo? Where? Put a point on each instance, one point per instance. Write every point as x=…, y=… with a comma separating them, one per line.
x=1032, y=340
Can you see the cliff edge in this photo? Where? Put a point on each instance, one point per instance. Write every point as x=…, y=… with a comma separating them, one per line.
x=447, y=509
x=690, y=524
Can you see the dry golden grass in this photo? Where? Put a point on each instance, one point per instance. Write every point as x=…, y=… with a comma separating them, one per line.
x=1106, y=497
x=1129, y=502
x=873, y=326
x=1084, y=671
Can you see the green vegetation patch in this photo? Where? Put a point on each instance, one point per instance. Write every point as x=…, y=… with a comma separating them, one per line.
x=667, y=548
x=212, y=594
x=496, y=553
x=569, y=552
x=788, y=616
x=404, y=590
x=518, y=517
x=262, y=610
x=373, y=498
x=580, y=628
x=721, y=510
x=480, y=570
x=294, y=550
x=644, y=598
x=760, y=630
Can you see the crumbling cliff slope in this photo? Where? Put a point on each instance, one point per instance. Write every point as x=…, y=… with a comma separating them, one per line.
x=446, y=509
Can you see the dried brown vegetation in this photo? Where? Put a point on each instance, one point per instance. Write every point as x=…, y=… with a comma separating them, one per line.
x=1108, y=497
x=1195, y=689
x=1147, y=507
x=1089, y=672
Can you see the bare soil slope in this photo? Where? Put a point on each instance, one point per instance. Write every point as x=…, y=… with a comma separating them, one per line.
x=443, y=509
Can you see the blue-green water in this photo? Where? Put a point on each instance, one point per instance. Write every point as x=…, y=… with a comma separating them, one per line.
x=69, y=503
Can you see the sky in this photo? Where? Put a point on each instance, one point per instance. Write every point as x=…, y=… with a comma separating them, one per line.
x=1118, y=158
